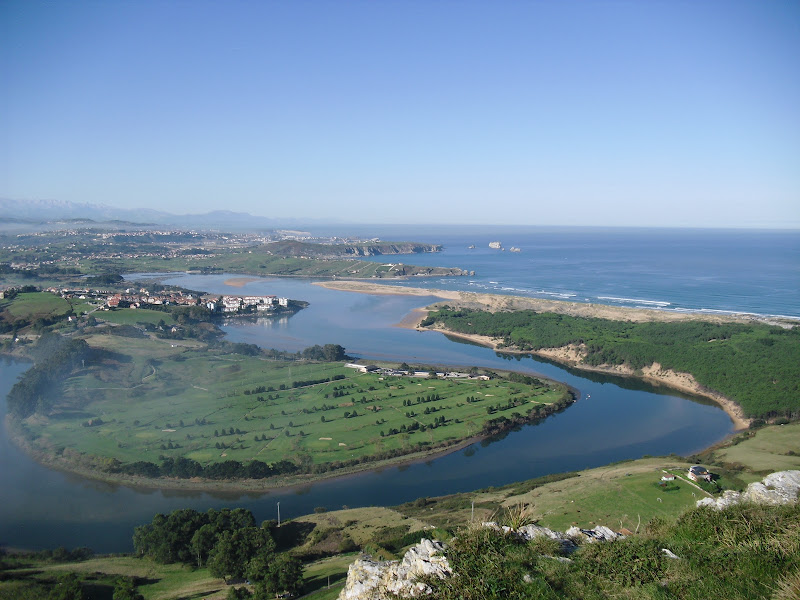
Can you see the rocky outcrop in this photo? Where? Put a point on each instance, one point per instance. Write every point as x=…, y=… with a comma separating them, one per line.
x=782, y=487
x=308, y=249
x=384, y=580
x=381, y=580
x=569, y=540
x=389, y=248
x=601, y=533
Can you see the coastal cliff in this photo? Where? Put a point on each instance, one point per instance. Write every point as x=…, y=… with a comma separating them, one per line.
x=305, y=249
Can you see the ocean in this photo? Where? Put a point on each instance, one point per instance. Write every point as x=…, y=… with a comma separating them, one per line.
x=615, y=419
x=749, y=271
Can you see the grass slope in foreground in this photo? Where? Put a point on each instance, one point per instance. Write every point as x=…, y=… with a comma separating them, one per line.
x=147, y=400
x=743, y=552
x=756, y=366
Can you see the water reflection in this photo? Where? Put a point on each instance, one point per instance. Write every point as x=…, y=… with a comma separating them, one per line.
x=622, y=419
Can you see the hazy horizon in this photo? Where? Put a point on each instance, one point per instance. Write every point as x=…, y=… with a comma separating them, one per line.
x=618, y=114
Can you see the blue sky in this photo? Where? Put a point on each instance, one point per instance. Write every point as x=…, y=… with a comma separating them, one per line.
x=555, y=113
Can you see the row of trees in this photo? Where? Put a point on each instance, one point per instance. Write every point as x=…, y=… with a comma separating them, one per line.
x=227, y=541
x=186, y=468
x=756, y=365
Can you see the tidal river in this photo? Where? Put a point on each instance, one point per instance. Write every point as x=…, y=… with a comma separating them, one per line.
x=614, y=419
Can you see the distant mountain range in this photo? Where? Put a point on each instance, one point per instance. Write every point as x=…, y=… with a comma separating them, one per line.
x=33, y=212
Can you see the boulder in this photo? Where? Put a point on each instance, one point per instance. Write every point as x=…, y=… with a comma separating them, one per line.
x=530, y=532
x=384, y=580
x=381, y=580
x=601, y=533
x=782, y=487
x=728, y=498
x=777, y=488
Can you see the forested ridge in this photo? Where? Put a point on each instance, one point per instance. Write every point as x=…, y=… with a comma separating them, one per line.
x=758, y=366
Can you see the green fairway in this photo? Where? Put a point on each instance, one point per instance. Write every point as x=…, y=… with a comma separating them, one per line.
x=153, y=399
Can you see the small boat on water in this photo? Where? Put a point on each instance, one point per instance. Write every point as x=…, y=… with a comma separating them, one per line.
x=495, y=245
x=471, y=247
x=515, y=249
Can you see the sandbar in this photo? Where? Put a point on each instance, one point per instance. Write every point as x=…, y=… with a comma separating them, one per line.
x=239, y=281
x=500, y=302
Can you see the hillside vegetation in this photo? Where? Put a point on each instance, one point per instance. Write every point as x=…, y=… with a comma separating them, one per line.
x=757, y=366
x=743, y=552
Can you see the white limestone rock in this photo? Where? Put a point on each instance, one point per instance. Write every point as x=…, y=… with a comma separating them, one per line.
x=728, y=498
x=379, y=580
x=530, y=532
x=601, y=533
x=782, y=487
x=777, y=488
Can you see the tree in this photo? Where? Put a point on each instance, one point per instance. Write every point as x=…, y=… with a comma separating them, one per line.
x=240, y=593
x=124, y=589
x=275, y=574
x=203, y=542
x=234, y=551
x=67, y=588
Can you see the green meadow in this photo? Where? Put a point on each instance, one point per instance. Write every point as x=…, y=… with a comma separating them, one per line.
x=32, y=305
x=132, y=316
x=152, y=399
x=764, y=450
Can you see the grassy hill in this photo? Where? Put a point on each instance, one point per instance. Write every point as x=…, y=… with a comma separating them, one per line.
x=745, y=552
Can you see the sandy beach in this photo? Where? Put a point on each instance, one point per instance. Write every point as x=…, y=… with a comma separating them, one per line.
x=498, y=302
x=571, y=355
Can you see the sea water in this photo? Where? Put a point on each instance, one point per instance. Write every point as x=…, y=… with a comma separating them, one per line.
x=750, y=271
x=615, y=419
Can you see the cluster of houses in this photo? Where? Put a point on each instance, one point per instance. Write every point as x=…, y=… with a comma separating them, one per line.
x=235, y=304
x=404, y=373
x=143, y=298
x=130, y=297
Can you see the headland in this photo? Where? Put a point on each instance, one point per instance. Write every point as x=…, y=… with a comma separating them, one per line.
x=570, y=355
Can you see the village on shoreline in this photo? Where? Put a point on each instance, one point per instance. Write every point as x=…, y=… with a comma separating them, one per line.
x=143, y=298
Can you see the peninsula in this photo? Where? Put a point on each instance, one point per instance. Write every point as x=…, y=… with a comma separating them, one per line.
x=745, y=391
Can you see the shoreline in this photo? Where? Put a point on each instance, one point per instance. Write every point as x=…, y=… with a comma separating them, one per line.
x=569, y=356
x=499, y=302
x=654, y=374
x=238, y=486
